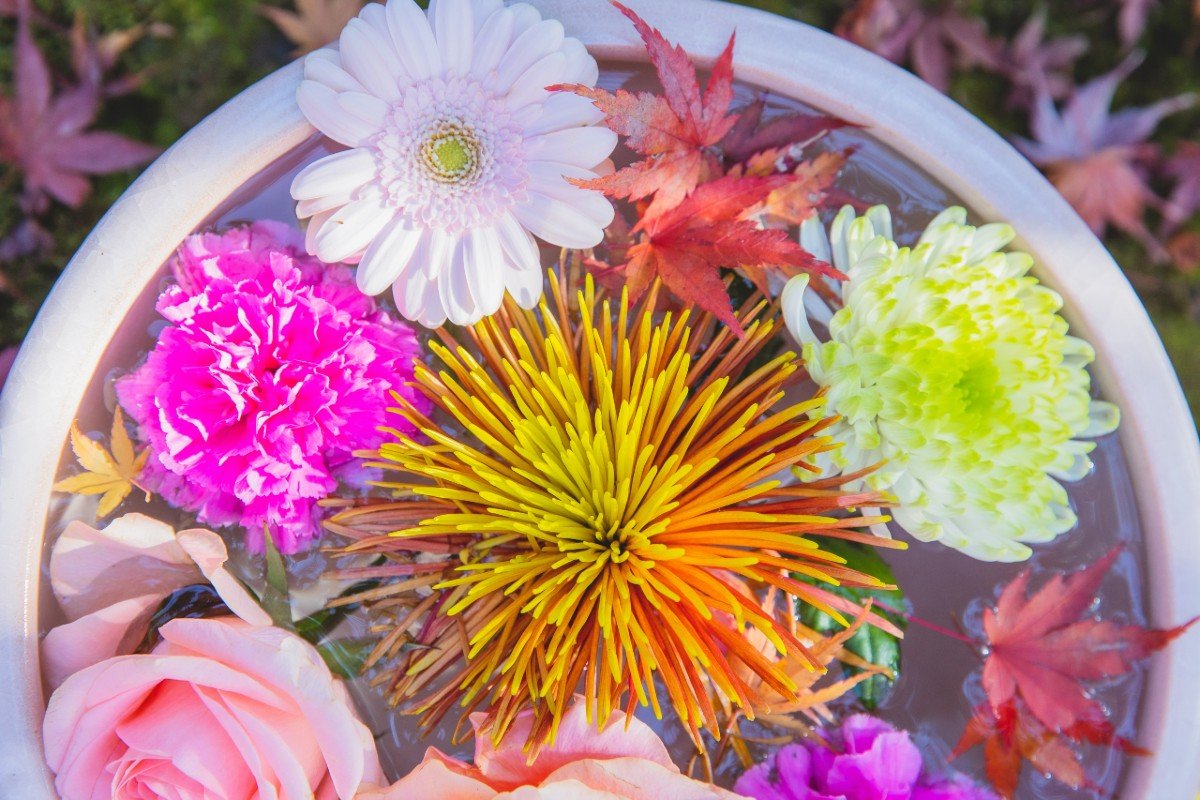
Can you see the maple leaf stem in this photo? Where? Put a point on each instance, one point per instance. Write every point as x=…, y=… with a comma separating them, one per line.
x=924, y=623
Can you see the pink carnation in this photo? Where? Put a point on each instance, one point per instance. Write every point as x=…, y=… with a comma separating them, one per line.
x=274, y=370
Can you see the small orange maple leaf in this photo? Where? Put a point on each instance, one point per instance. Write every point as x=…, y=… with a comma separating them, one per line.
x=110, y=474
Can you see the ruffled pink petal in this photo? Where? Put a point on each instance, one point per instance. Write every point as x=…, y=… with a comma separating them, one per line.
x=274, y=372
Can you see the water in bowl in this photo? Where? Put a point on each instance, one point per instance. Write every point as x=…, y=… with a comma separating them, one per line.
x=934, y=694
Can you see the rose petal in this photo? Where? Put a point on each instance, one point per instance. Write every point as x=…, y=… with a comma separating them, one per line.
x=507, y=766
x=631, y=779
x=207, y=549
x=436, y=778
x=91, y=569
x=92, y=638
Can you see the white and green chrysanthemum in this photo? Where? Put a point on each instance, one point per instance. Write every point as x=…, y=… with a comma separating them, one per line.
x=951, y=366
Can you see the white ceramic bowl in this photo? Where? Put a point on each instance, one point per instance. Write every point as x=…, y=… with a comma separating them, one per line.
x=260, y=125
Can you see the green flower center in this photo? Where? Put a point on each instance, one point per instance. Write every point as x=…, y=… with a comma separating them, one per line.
x=451, y=154
x=978, y=387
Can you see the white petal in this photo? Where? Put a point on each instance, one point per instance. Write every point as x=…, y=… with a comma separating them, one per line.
x=547, y=179
x=388, y=256
x=559, y=223
x=336, y=174
x=814, y=238
x=325, y=66
x=990, y=238
x=485, y=261
x=564, y=110
x=519, y=246
x=795, y=317
x=370, y=57
x=410, y=296
x=492, y=43
x=525, y=17
x=484, y=10
x=351, y=229
x=370, y=110
x=837, y=237
x=314, y=227
x=320, y=105
x=525, y=286
x=530, y=87
x=881, y=221
x=416, y=291
x=528, y=48
x=413, y=38
x=310, y=208
x=454, y=286
x=586, y=147
x=523, y=263
x=454, y=29
x=581, y=67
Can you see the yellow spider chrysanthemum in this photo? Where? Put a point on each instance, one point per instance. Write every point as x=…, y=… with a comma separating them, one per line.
x=602, y=516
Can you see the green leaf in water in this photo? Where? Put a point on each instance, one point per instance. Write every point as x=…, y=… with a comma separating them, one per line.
x=275, y=598
x=869, y=643
x=345, y=657
x=316, y=625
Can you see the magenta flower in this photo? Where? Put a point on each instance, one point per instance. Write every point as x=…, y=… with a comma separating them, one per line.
x=869, y=760
x=274, y=370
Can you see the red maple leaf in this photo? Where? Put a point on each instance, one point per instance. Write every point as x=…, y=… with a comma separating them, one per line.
x=1045, y=648
x=1184, y=200
x=688, y=244
x=678, y=132
x=1009, y=738
x=788, y=133
x=47, y=138
x=799, y=199
x=1099, y=159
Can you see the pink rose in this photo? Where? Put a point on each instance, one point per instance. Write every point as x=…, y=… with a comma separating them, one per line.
x=228, y=707
x=620, y=761
x=108, y=583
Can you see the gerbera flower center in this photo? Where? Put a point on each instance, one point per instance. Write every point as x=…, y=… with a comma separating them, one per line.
x=450, y=155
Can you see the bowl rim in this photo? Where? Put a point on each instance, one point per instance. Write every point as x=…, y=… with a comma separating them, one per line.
x=262, y=124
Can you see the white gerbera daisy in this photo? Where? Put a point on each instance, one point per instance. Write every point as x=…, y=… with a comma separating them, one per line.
x=458, y=153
